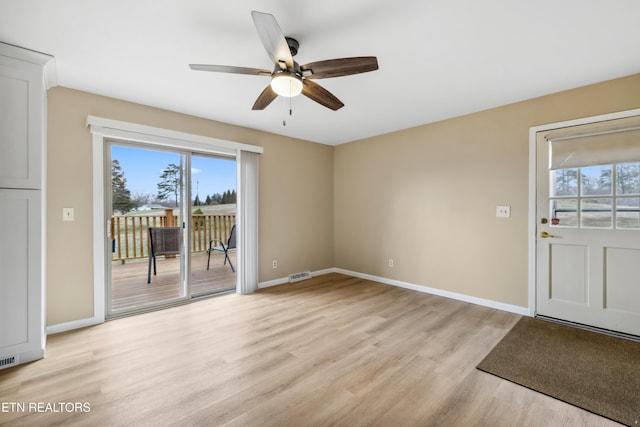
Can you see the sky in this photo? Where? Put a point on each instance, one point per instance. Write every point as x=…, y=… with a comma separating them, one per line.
x=142, y=169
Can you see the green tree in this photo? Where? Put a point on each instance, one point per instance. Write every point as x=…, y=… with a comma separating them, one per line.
x=628, y=178
x=604, y=181
x=120, y=194
x=140, y=199
x=170, y=183
x=207, y=201
x=216, y=199
x=228, y=197
x=566, y=182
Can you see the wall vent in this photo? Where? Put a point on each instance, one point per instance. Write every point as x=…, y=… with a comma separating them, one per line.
x=8, y=361
x=296, y=277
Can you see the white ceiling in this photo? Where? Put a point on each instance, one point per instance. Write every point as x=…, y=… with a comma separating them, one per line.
x=438, y=58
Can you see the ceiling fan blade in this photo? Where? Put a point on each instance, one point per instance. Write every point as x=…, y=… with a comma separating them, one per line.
x=266, y=97
x=339, y=67
x=272, y=38
x=321, y=95
x=230, y=69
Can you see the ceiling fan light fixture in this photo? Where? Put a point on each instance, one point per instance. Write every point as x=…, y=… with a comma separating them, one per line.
x=286, y=84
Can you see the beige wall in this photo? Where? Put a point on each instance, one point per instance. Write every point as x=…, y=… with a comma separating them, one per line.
x=426, y=196
x=296, y=195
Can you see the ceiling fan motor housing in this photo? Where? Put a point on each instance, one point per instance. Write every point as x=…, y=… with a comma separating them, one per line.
x=293, y=45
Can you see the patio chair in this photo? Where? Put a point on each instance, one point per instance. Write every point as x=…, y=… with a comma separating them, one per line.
x=220, y=247
x=162, y=241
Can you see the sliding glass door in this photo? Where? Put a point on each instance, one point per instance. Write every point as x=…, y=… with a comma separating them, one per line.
x=171, y=217
x=213, y=220
x=146, y=222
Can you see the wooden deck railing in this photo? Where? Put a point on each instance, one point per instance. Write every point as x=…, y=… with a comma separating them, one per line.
x=130, y=235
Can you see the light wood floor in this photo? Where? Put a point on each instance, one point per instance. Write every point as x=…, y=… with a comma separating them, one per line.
x=332, y=350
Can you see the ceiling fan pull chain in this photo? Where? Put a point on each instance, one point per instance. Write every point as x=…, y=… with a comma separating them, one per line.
x=284, y=115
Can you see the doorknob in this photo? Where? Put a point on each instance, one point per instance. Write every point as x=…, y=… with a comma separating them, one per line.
x=544, y=235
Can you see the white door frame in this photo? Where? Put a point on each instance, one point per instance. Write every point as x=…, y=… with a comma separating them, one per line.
x=102, y=129
x=533, y=186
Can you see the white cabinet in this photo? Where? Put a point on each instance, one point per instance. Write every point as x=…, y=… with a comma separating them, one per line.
x=22, y=125
x=21, y=293
x=22, y=189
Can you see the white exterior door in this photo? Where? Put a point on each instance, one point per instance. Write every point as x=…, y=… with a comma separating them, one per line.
x=588, y=225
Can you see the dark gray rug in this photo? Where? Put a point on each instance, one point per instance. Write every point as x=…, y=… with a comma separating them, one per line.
x=596, y=372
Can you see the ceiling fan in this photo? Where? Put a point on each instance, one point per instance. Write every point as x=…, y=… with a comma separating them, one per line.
x=288, y=78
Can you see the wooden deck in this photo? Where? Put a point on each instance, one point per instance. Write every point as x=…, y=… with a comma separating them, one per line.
x=130, y=288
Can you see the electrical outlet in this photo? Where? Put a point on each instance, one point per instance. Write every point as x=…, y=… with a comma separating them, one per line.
x=275, y=264
x=503, y=211
x=390, y=262
x=68, y=214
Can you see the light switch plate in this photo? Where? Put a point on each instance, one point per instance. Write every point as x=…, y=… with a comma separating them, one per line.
x=503, y=211
x=68, y=214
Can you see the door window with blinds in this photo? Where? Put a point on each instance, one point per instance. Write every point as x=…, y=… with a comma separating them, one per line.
x=595, y=178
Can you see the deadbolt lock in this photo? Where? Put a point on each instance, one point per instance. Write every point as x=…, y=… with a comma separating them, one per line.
x=543, y=220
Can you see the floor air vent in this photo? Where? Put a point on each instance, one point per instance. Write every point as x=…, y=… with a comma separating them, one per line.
x=296, y=277
x=8, y=361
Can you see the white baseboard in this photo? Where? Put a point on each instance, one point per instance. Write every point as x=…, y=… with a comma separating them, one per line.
x=74, y=324
x=273, y=282
x=325, y=271
x=284, y=280
x=524, y=311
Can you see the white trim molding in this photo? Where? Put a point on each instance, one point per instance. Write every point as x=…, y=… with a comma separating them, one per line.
x=283, y=280
x=99, y=230
x=74, y=324
x=46, y=61
x=524, y=311
x=533, y=186
x=109, y=128
x=275, y=282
